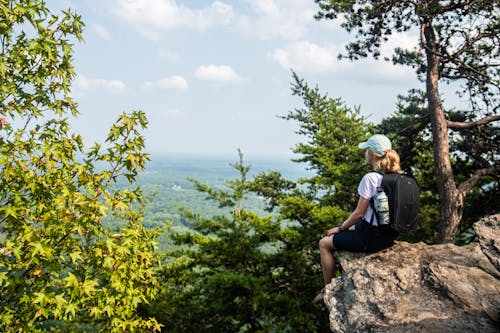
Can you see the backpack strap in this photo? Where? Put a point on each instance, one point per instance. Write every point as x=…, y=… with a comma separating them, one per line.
x=373, y=211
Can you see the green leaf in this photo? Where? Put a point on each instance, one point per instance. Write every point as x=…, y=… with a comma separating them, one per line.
x=71, y=281
x=40, y=298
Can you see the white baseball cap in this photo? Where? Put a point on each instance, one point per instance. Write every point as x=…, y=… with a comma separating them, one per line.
x=379, y=143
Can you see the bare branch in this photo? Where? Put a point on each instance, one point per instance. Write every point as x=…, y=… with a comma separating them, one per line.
x=468, y=42
x=462, y=125
x=461, y=64
x=472, y=181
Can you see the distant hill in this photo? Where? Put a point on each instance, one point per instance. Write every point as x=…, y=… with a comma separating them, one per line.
x=191, y=165
x=166, y=175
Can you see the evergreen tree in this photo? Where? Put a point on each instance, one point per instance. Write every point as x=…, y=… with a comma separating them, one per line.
x=235, y=272
x=332, y=132
x=241, y=272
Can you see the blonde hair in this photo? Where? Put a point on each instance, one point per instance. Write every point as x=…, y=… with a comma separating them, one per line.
x=387, y=163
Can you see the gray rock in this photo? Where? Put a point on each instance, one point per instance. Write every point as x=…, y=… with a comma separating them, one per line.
x=416, y=288
x=488, y=230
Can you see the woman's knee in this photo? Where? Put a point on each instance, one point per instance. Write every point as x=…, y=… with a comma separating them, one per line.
x=326, y=243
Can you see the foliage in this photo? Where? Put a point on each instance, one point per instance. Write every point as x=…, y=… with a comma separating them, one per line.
x=266, y=270
x=332, y=132
x=466, y=34
x=167, y=178
x=238, y=272
x=323, y=200
x=459, y=44
x=243, y=272
x=60, y=268
x=410, y=131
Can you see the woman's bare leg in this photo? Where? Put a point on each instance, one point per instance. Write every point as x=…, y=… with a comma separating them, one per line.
x=327, y=263
x=326, y=249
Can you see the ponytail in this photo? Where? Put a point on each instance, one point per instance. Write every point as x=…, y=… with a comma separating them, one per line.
x=386, y=163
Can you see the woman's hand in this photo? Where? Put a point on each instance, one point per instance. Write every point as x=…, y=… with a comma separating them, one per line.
x=332, y=231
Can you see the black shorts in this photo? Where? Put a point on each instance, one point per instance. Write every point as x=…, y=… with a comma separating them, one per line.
x=364, y=238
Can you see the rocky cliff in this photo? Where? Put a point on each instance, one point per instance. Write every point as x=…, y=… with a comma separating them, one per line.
x=420, y=288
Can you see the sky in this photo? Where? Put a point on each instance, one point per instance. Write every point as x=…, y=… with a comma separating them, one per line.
x=215, y=76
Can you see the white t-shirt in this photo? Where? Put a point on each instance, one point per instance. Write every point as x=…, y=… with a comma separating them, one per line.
x=367, y=189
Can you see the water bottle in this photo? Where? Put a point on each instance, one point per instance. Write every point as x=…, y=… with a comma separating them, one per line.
x=382, y=207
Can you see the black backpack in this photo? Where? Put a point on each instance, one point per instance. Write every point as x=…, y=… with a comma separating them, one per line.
x=403, y=195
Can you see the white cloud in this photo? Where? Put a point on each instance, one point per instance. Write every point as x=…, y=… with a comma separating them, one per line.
x=83, y=84
x=306, y=57
x=381, y=71
x=287, y=19
x=167, y=54
x=153, y=17
x=406, y=40
x=175, y=82
x=101, y=31
x=264, y=19
x=309, y=58
x=217, y=73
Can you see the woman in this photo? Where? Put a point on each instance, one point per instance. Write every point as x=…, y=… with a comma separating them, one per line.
x=361, y=232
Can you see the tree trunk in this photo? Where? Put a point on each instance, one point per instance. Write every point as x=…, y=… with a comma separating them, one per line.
x=451, y=201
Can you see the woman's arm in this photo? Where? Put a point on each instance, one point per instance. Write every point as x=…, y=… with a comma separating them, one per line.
x=358, y=213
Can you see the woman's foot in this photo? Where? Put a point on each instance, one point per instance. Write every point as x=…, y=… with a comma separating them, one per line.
x=319, y=297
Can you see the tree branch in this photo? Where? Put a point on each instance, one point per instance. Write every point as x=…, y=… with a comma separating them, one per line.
x=472, y=181
x=468, y=42
x=462, y=125
x=461, y=64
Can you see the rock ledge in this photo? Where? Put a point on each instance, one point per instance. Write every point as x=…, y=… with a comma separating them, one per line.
x=420, y=287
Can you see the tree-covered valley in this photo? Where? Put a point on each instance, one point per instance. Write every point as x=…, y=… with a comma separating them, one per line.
x=168, y=181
